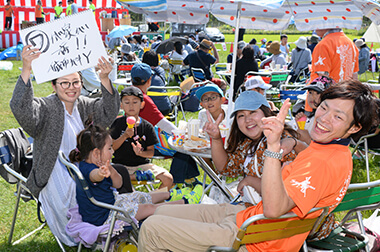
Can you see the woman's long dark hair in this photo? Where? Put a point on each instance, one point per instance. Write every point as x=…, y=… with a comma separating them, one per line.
x=237, y=137
x=178, y=47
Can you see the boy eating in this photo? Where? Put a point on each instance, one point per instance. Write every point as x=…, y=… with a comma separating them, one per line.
x=134, y=143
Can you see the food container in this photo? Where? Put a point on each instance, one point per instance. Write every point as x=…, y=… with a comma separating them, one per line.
x=193, y=127
x=178, y=137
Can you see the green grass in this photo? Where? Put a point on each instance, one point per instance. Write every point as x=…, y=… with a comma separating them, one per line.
x=27, y=221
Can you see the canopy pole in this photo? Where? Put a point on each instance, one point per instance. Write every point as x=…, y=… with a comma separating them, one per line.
x=233, y=69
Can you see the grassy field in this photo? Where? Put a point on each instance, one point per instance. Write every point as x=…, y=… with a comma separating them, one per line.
x=44, y=240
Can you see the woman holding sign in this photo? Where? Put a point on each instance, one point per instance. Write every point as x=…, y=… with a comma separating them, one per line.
x=53, y=122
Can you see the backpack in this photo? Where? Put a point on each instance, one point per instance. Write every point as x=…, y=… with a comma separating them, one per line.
x=14, y=146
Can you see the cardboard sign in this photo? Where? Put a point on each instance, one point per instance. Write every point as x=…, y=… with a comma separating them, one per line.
x=67, y=45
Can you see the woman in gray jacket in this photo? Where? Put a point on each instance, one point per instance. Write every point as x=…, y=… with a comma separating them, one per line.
x=53, y=122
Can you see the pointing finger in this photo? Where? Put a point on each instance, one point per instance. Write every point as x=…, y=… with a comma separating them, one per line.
x=284, y=110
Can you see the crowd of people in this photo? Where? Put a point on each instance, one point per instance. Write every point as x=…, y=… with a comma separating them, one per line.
x=71, y=8
x=262, y=149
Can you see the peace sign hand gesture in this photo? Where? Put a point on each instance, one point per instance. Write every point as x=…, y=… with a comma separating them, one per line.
x=274, y=126
x=212, y=128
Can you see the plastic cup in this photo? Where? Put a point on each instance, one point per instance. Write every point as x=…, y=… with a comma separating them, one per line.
x=285, y=67
x=266, y=68
x=278, y=67
x=193, y=127
x=224, y=133
x=228, y=67
x=182, y=125
x=178, y=137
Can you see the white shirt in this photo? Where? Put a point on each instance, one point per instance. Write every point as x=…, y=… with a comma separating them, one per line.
x=202, y=116
x=58, y=196
x=176, y=56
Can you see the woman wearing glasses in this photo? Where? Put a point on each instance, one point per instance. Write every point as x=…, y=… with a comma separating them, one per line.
x=53, y=122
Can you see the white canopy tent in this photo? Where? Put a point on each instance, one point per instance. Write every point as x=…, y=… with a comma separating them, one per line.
x=372, y=34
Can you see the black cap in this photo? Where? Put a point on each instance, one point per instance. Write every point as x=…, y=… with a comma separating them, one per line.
x=132, y=91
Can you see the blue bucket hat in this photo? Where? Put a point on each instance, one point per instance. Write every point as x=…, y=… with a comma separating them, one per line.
x=249, y=100
x=208, y=88
x=142, y=71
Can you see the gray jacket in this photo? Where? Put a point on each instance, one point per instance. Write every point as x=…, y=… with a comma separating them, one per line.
x=364, y=58
x=43, y=119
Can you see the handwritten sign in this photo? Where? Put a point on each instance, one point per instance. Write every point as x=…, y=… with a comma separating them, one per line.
x=67, y=45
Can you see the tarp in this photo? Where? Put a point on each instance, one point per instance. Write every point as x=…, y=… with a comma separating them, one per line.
x=10, y=52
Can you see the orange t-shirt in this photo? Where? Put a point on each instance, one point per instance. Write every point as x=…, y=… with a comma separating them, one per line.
x=337, y=55
x=38, y=11
x=318, y=177
x=8, y=10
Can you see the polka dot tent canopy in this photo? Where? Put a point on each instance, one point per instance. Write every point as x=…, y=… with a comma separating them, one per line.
x=269, y=14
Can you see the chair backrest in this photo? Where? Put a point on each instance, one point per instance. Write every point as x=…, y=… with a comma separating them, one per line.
x=175, y=62
x=266, y=76
x=278, y=78
x=198, y=74
x=287, y=225
x=167, y=91
x=368, y=193
x=124, y=67
x=220, y=67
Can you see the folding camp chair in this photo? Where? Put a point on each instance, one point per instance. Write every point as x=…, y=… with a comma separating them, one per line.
x=362, y=145
x=13, y=175
x=172, y=64
x=189, y=101
x=279, y=78
x=82, y=183
x=174, y=94
x=222, y=67
x=365, y=197
x=302, y=76
x=283, y=227
x=291, y=91
x=124, y=67
x=198, y=74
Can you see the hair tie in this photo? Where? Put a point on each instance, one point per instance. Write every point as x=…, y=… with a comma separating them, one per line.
x=77, y=151
x=91, y=123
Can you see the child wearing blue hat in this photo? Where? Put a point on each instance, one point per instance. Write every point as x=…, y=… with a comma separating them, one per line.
x=247, y=140
x=211, y=99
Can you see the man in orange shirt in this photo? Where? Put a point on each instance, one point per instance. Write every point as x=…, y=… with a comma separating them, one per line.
x=318, y=177
x=8, y=15
x=39, y=13
x=336, y=56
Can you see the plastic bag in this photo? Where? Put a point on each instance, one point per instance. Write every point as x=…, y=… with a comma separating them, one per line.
x=373, y=222
x=373, y=237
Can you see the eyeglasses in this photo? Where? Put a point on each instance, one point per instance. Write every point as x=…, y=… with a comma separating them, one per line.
x=210, y=98
x=67, y=84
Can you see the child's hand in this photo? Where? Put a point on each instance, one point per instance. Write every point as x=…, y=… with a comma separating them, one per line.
x=129, y=132
x=105, y=68
x=212, y=128
x=137, y=148
x=299, y=115
x=104, y=170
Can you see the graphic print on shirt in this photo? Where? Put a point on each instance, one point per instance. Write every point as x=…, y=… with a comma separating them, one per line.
x=320, y=61
x=345, y=54
x=343, y=190
x=304, y=185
